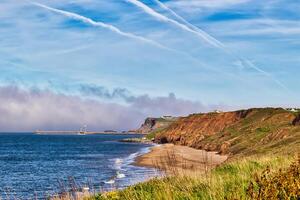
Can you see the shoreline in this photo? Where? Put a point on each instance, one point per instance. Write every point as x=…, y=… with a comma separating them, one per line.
x=166, y=159
x=171, y=158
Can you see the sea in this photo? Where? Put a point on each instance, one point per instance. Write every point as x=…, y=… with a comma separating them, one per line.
x=36, y=166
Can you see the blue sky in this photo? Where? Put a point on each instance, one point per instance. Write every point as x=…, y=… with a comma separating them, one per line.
x=230, y=53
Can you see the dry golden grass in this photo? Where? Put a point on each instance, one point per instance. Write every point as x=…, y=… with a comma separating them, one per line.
x=283, y=184
x=229, y=181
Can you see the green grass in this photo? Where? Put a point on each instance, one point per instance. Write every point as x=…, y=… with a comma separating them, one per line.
x=229, y=181
x=262, y=148
x=262, y=132
x=151, y=135
x=165, y=120
x=136, y=140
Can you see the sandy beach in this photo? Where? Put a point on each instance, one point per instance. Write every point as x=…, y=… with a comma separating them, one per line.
x=171, y=157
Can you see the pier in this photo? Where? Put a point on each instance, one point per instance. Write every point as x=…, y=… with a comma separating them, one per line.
x=81, y=131
x=76, y=132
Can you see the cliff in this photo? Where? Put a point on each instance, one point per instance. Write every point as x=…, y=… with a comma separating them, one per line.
x=243, y=132
x=152, y=124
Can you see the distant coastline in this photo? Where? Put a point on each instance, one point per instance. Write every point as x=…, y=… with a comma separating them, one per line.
x=84, y=133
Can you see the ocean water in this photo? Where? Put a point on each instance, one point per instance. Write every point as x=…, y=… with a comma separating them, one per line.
x=37, y=166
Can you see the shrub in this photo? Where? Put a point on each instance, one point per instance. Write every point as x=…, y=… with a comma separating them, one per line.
x=284, y=184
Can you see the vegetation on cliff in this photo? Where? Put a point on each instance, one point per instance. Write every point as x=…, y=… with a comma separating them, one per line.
x=153, y=124
x=248, y=178
x=262, y=144
x=239, y=133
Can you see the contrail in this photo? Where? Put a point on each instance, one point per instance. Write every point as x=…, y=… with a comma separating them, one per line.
x=125, y=34
x=129, y=35
x=163, y=6
x=101, y=24
x=195, y=30
x=163, y=18
x=249, y=63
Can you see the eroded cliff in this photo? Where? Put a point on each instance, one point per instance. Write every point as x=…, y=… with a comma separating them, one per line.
x=152, y=124
x=239, y=132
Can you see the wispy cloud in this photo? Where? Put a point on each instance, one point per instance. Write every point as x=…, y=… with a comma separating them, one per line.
x=40, y=46
x=163, y=18
x=266, y=27
x=118, y=31
x=133, y=36
x=257, y=27
x=202, y=34
x=101, y=24
x=266, y=74
x=192, y=6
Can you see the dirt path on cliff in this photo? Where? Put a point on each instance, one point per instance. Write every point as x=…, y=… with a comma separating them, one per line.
x=171, y=157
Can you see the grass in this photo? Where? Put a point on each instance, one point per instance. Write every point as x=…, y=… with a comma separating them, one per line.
x=136, y=140
x=262, y=165
x=152, y=134
x=234, y=180
x=283, y=184
x=263, y=131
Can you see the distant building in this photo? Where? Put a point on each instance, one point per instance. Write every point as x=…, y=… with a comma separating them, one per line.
x=218, y=111
x=167, y=117
x=292, y=109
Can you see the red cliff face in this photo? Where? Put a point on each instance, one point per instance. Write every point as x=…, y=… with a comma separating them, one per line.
x=232, y=132
x=192, y=129
x=296, y=121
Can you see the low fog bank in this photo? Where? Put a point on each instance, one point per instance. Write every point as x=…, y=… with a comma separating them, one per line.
x=29, y=110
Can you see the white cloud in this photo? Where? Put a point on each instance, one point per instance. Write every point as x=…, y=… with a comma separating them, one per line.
x=201, y=34
x=38, y=47
x=201, y=5
x=258, y=26
x=101, y=24
x=28, y=110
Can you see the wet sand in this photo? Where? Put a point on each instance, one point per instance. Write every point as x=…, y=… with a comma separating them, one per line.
x=169, y=157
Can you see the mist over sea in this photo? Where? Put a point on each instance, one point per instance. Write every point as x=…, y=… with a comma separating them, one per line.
x=40, y=165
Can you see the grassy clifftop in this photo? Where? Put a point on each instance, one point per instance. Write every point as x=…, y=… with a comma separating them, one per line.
x=262, y=144
x=153, y=124
x=238, y=133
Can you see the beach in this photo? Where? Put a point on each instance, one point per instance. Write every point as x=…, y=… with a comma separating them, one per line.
x=170, y=157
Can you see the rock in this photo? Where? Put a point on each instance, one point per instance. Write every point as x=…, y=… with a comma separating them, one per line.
x=147, y=126
x=152, y=124
x=296, y=121
x=224, y=148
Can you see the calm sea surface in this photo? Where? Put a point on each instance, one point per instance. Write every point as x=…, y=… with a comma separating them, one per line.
x=41, y=165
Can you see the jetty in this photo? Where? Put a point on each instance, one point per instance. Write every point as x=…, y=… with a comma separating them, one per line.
x=74, y=132
x=81, y=131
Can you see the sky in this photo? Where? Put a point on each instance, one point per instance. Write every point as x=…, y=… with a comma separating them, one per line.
x=109, y=64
